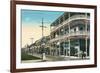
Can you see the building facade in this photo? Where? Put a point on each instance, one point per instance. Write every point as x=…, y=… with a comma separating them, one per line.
x=40, y=46
x=70, y=35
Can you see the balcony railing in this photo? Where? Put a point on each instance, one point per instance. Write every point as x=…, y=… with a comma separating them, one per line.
x=71, y=34
x=75, y=17
x=79, y=33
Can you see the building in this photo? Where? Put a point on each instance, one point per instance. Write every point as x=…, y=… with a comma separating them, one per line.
x=40, y=46
x=70, y=35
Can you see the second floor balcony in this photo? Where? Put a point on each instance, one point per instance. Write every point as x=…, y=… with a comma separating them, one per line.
x=78, y=34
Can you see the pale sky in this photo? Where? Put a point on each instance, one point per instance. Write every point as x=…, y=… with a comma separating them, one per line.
x=31, y=22
x=32, y=32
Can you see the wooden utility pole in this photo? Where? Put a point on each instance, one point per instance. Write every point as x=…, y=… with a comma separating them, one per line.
x=42, y=26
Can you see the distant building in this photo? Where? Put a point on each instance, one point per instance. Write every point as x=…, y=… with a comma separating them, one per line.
x=41, y=45
x=70, y=34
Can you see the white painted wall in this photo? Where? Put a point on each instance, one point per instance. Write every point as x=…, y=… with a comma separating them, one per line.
x=5, y=36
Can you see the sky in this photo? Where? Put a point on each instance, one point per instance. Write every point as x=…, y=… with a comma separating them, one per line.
x=31, y=21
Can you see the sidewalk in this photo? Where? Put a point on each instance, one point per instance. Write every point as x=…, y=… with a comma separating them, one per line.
x=53, y=58
x=49, y=57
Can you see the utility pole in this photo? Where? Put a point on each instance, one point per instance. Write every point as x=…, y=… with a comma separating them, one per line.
x=42, y=26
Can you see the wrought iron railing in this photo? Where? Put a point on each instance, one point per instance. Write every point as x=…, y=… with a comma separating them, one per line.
x=71, y=34
x=69, y=20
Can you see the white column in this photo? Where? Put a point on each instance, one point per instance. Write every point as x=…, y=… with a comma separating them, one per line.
x=65, y=49
x=59, y=41
x=63, y=31
x=59, y=48
x=86, y=33
x=69, y=47
x=69, y=33
x=86, y=45
x=79, y=48
x=56, y=50
x=50, y=49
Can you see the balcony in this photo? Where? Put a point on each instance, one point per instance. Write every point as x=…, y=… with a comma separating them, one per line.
x=75, y=17
x=72, y=34
x=79, y=33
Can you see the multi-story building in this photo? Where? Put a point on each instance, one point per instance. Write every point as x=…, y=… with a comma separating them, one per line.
x=40, y=46
x=70, y=35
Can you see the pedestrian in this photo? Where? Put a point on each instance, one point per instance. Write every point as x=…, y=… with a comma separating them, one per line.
x=83, y=55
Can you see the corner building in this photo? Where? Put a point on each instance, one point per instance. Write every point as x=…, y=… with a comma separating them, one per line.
x=70, y=35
